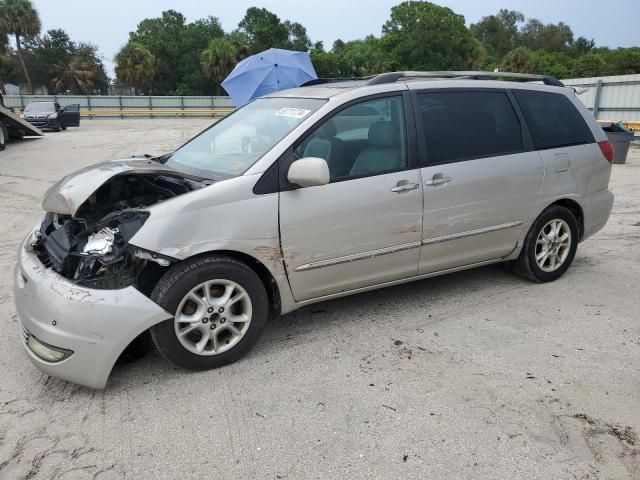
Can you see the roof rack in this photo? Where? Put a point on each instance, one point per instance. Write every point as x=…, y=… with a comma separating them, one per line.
x=392, y=77
x=321, y=81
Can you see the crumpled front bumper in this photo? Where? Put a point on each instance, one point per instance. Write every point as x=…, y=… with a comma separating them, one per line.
x=97, y=325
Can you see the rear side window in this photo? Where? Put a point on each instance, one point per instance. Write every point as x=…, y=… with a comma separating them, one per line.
x=552, y=119
x=461, y=125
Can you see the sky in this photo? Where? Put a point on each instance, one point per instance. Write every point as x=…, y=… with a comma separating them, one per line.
x=107, y=24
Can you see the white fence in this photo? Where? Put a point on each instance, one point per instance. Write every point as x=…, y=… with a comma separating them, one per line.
x=611, y=98
x=131, y=106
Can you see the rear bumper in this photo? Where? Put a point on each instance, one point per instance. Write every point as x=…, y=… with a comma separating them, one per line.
x=597, y=209
x=97, y=325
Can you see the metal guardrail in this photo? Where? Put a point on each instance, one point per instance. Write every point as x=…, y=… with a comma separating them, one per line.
x=123, y=106
x=213, y=112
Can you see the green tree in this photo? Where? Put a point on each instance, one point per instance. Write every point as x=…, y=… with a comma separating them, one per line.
x=338, y=45
x=621, y=61
x=6, y=63
x=360, y=58
x=326, y=64
x=264, y=30
x=581, y=46
x=42, y=53
x=20, y=19
x=177, y=46
x=424, y=36
x=535, y=35
x=135, y=66
x=88, y=53
x=298, y=38
x=556, y=64
x=222, y=55
x=76, y=77
x=162, y=37
x=520, y=60
x=498, y=33
x=195, y=38
x=589, y=65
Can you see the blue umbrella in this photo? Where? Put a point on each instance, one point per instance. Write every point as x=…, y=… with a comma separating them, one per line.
x=270, y=71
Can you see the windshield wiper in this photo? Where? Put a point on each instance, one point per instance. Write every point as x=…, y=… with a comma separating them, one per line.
x=160, y=158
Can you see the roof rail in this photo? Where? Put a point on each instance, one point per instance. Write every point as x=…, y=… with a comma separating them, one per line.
x=392, y=77
x=321, y=81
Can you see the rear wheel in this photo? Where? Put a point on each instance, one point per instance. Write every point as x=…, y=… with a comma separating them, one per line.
x=549, y=247
x=220, y=307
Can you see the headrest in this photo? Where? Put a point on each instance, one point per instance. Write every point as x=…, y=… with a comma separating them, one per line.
x=383, y=134
x=327, y=129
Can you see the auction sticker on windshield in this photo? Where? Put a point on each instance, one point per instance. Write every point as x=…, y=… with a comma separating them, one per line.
x=292, y=112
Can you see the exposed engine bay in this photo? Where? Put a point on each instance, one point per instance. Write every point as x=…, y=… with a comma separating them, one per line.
x=91, y=248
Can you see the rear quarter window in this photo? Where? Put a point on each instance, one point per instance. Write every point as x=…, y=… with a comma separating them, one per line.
x=552, y=119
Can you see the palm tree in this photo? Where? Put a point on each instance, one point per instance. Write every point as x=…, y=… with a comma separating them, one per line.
x=78, y=75
x=135, y=66
x=19, y=18
x=222, y=55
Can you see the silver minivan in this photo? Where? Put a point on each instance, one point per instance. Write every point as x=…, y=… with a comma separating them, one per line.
x=305, y=195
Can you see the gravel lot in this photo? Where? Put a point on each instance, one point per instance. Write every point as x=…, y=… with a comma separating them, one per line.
x=474, y=375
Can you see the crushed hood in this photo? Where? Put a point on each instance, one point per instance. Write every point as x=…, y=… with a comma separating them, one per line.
x=67, y=195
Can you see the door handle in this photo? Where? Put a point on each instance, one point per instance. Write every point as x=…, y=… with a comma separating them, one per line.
x=405, y=187
x=437, y=180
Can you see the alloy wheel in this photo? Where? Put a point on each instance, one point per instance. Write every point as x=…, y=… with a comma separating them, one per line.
x=213, y=317
x=553, y=245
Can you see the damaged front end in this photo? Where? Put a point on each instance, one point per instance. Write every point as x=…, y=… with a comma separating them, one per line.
x=90, y=246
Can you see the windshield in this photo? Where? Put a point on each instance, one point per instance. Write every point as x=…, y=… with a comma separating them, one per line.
x=40, y=107
x=229, y=147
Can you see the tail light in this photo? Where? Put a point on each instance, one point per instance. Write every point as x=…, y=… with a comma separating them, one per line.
x=607, y=150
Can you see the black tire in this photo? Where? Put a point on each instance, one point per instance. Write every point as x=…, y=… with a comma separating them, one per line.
x=526, y=265
x=183, y=277
x=4, y=136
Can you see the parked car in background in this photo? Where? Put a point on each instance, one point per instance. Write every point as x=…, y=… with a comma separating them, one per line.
x=306, y=195
x=51, y=115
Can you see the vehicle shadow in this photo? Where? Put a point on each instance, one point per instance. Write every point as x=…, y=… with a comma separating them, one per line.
x=308, y=323
x=430, y=293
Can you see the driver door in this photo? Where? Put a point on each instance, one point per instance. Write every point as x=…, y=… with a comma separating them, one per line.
x=70, y=115
x=364, y=227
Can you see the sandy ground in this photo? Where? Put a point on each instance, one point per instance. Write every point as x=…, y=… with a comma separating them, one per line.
x=475, y=375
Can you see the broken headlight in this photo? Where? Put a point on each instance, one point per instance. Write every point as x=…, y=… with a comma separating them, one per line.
x=101, y=243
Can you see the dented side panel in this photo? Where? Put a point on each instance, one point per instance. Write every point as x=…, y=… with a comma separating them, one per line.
x=480, y=212
x=224, y=216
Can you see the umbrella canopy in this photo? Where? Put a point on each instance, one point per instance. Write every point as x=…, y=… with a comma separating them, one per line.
x=270, y=71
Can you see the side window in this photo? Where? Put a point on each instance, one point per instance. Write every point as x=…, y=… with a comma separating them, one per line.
x=368, y=138
x=462, y=125
x=552, y=119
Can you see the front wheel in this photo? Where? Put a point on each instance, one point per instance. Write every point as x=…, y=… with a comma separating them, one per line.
x=549, y=247
x=220, y=307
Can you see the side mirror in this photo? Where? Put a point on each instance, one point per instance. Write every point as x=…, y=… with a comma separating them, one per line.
x=61, y=109
x=309, y=172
